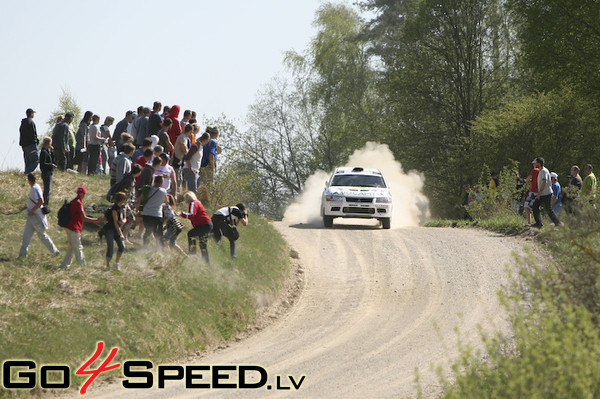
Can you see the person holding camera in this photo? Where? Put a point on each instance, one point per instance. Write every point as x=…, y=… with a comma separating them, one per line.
x=225, y=222
x=36, y=219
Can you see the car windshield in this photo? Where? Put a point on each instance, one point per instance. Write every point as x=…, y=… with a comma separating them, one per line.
x=358, y=181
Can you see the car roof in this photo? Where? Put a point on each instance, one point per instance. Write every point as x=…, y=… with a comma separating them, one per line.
x=357, y=170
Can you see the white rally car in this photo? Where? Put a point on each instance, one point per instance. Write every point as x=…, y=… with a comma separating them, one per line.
x=356, y=193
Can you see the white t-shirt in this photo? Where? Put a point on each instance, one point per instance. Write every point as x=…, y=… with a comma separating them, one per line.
x=92, y=131
x=34, y=195
x=544, y=175
x=165, y=171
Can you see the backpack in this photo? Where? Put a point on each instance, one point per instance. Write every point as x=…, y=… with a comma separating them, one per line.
x=64, y=214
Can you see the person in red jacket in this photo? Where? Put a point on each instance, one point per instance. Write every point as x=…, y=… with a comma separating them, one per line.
x=201, y=222
x=175, y=129
x=74, y=229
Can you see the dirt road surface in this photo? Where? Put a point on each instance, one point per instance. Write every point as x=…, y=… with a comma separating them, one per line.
x=376, y=305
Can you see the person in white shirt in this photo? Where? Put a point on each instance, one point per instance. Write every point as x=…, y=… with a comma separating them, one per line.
x=168, y=173
x=36, y=220
x=544, y=195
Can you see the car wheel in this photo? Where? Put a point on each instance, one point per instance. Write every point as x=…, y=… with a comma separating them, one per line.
x=327, y=221
x=386, y=223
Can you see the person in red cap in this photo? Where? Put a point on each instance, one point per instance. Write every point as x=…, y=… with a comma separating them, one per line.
x=73, y=229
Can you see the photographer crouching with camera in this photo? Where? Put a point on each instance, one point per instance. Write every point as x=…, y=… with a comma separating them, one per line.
x=225, y=222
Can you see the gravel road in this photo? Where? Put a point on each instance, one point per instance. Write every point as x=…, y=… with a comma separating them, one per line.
x=376, y=305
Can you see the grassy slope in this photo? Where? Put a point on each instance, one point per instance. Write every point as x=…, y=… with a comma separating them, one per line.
x=160, y=307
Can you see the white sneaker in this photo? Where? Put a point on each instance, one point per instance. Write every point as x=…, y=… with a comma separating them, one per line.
x=117, y=267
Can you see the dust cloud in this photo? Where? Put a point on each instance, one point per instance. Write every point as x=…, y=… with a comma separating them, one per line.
x=411, y=207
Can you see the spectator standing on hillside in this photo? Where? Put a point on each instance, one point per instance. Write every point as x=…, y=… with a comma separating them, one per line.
x=47, y=166
x=141, y=127
x=575, y=178
x=121, y=164
x=81, y=141
x=114, y=221
x=201, y=223
x=163, y=137
x=187, y=115
x=544, y=195
x=557, y=204
x=209, y=156
x=140, y=152
x=28, y=140
x=74, y=228
x=108, y=150
x=60, y=140
x=151, y=202
x=121, y=127
x=165, y=113
x=182, y=146
x=531, y=179
x=589, y=184
x=36, y=220
x=192, y=162
x=225, y=222
x=155, y=120
x=175, y=129
x=168, y=173
x=72, y=145
x=95, y=142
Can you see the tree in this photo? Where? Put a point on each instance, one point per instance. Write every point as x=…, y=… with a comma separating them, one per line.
x=66, y=103
x=443, y=63
x=560, y=126
x=275, y=150
x=560, y=42
x=336, y=78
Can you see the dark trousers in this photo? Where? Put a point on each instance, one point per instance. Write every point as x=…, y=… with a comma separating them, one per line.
x=112, y=237
x=545, y=200
x=47, y=178
x=93, y=157
x=222, y=228
x=154, y=227
x=201, y=231
x=61, y=158
x=31, y=157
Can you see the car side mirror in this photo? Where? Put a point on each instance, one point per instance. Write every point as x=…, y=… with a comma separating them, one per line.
x=326, y=183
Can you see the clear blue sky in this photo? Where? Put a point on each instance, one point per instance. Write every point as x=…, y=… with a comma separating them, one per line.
x=209, y=56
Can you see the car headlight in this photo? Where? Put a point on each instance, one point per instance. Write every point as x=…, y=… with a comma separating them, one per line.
x=334, y=198
x=384, y=200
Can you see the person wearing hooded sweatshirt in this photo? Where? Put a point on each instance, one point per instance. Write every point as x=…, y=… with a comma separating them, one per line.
x=175, y=129
x=29, y=141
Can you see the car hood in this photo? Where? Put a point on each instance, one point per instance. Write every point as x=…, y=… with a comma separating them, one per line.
x=357, y=191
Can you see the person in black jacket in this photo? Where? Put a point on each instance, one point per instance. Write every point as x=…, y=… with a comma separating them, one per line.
x=47, y=165
x=225, y=222
x=28, y=140
x=60, y=138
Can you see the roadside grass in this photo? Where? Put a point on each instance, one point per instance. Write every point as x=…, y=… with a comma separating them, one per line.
x=160, y=307
x=508, y=224
x=553, y=304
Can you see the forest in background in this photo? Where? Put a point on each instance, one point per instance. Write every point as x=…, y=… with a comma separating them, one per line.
x=452, y=87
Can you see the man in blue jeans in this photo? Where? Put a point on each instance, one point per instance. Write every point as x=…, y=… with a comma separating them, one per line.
x=544, y=195
x=29, y=141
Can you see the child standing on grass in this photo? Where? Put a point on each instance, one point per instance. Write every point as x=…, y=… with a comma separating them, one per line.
x=174, y=226
x=115, y=218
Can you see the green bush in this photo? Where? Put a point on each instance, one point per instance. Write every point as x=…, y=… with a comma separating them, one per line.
x=553, y=306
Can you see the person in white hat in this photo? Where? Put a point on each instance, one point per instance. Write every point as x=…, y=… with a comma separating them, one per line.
x=556, y=194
